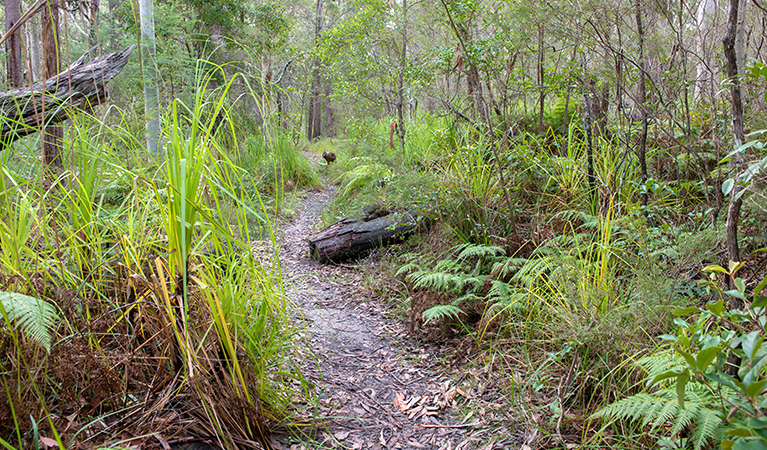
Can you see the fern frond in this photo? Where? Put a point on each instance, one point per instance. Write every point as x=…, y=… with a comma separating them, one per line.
x=470, y=297
x=36, y=318
x=478, y=251
x=686, y=418
x=665, y=414
x=660, y=362
x=409, y=267
x=449, y=265
x=500, y=291
x=636, y=407
x=571, y=215
x=473, y=282
x=662, y=407
x=508, y=266
x=441, y=312
x=708, y=426
x=437, y=281
x=362, y=175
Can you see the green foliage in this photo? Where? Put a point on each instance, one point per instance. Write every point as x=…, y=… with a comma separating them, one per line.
x=35, y=317
x=123, y=246
x=441, y=313
x=700, y=414
x=362, y=175
x=701, y=381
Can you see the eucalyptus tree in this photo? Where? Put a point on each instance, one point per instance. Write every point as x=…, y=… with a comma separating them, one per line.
x=52, y=135
x=13, y=45
x=314, y=117
x=733, y=53
x=151, y=77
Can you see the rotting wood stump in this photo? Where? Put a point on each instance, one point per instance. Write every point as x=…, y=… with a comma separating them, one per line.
x=24, y=111
x=350, y=238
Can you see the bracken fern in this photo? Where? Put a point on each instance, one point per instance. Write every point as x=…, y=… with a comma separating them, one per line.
x=701, y=414
x=36, y=318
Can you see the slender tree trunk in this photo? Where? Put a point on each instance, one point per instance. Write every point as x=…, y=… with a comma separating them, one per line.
x=314, y=125
x=52, y=135
x=687, y=116
x=329, y=132
x=151, y=78
x=401, y=80
x=705, y=16
x=35, y=45
x=588, y=125
x=642, y=147
x=541, y=92
x=12, y=14
x=473, y=82
x=93, y=12
x=736, y=199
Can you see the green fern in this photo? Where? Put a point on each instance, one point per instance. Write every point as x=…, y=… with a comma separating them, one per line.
x=407, y=268
x=436, y=281
x=702, y=413
x=362, y=175
x=36, y=318
x=508, y=267
x=441, y=312
x=466, y=251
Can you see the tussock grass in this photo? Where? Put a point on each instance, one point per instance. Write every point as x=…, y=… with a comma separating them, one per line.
x=132, y=301
x=524, y=264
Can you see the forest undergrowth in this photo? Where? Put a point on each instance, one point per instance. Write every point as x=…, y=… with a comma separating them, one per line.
x=565, y=297
x=141, y=293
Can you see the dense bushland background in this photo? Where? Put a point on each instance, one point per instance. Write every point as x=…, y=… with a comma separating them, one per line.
x=595, y=169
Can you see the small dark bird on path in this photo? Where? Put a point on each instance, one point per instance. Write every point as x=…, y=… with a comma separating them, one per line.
x=329, y=157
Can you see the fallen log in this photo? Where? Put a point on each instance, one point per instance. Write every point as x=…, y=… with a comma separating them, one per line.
x=24, y=111
x=350, y=238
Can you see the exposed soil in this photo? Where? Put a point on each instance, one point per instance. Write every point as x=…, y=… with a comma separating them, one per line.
x=377, y=389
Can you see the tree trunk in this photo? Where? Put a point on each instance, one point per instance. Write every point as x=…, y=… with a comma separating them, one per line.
x=52, y=135
x=329, y=132
x=473, y=82
x=736, y=199
x=93, y=15
x=401, y=80
x=35, y=60
x=642, y=147
x=705, y=82
x=151, y=78
x=314, y=125
x=12, y=14
x=541, y=92
x=588, y=127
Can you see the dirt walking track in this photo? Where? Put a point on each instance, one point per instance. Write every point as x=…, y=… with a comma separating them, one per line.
x=377, y=391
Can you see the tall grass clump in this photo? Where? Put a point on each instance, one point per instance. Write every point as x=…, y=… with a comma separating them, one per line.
x=132, y=302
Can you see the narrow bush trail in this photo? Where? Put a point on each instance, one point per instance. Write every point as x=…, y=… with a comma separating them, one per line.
x=375, y=392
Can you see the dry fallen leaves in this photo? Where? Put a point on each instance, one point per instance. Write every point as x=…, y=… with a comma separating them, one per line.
x=430, y=404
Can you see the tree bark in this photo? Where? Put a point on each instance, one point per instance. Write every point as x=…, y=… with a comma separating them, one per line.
x=642, y=147
x=736, y=199
x=329, y=132
x=314, y=125
x=12, y=15
x=540, y=75
x=52, y=135
x=401, y=80
x=351, y=238
x=151, y=78
x=20, y=108
x=473, y=82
